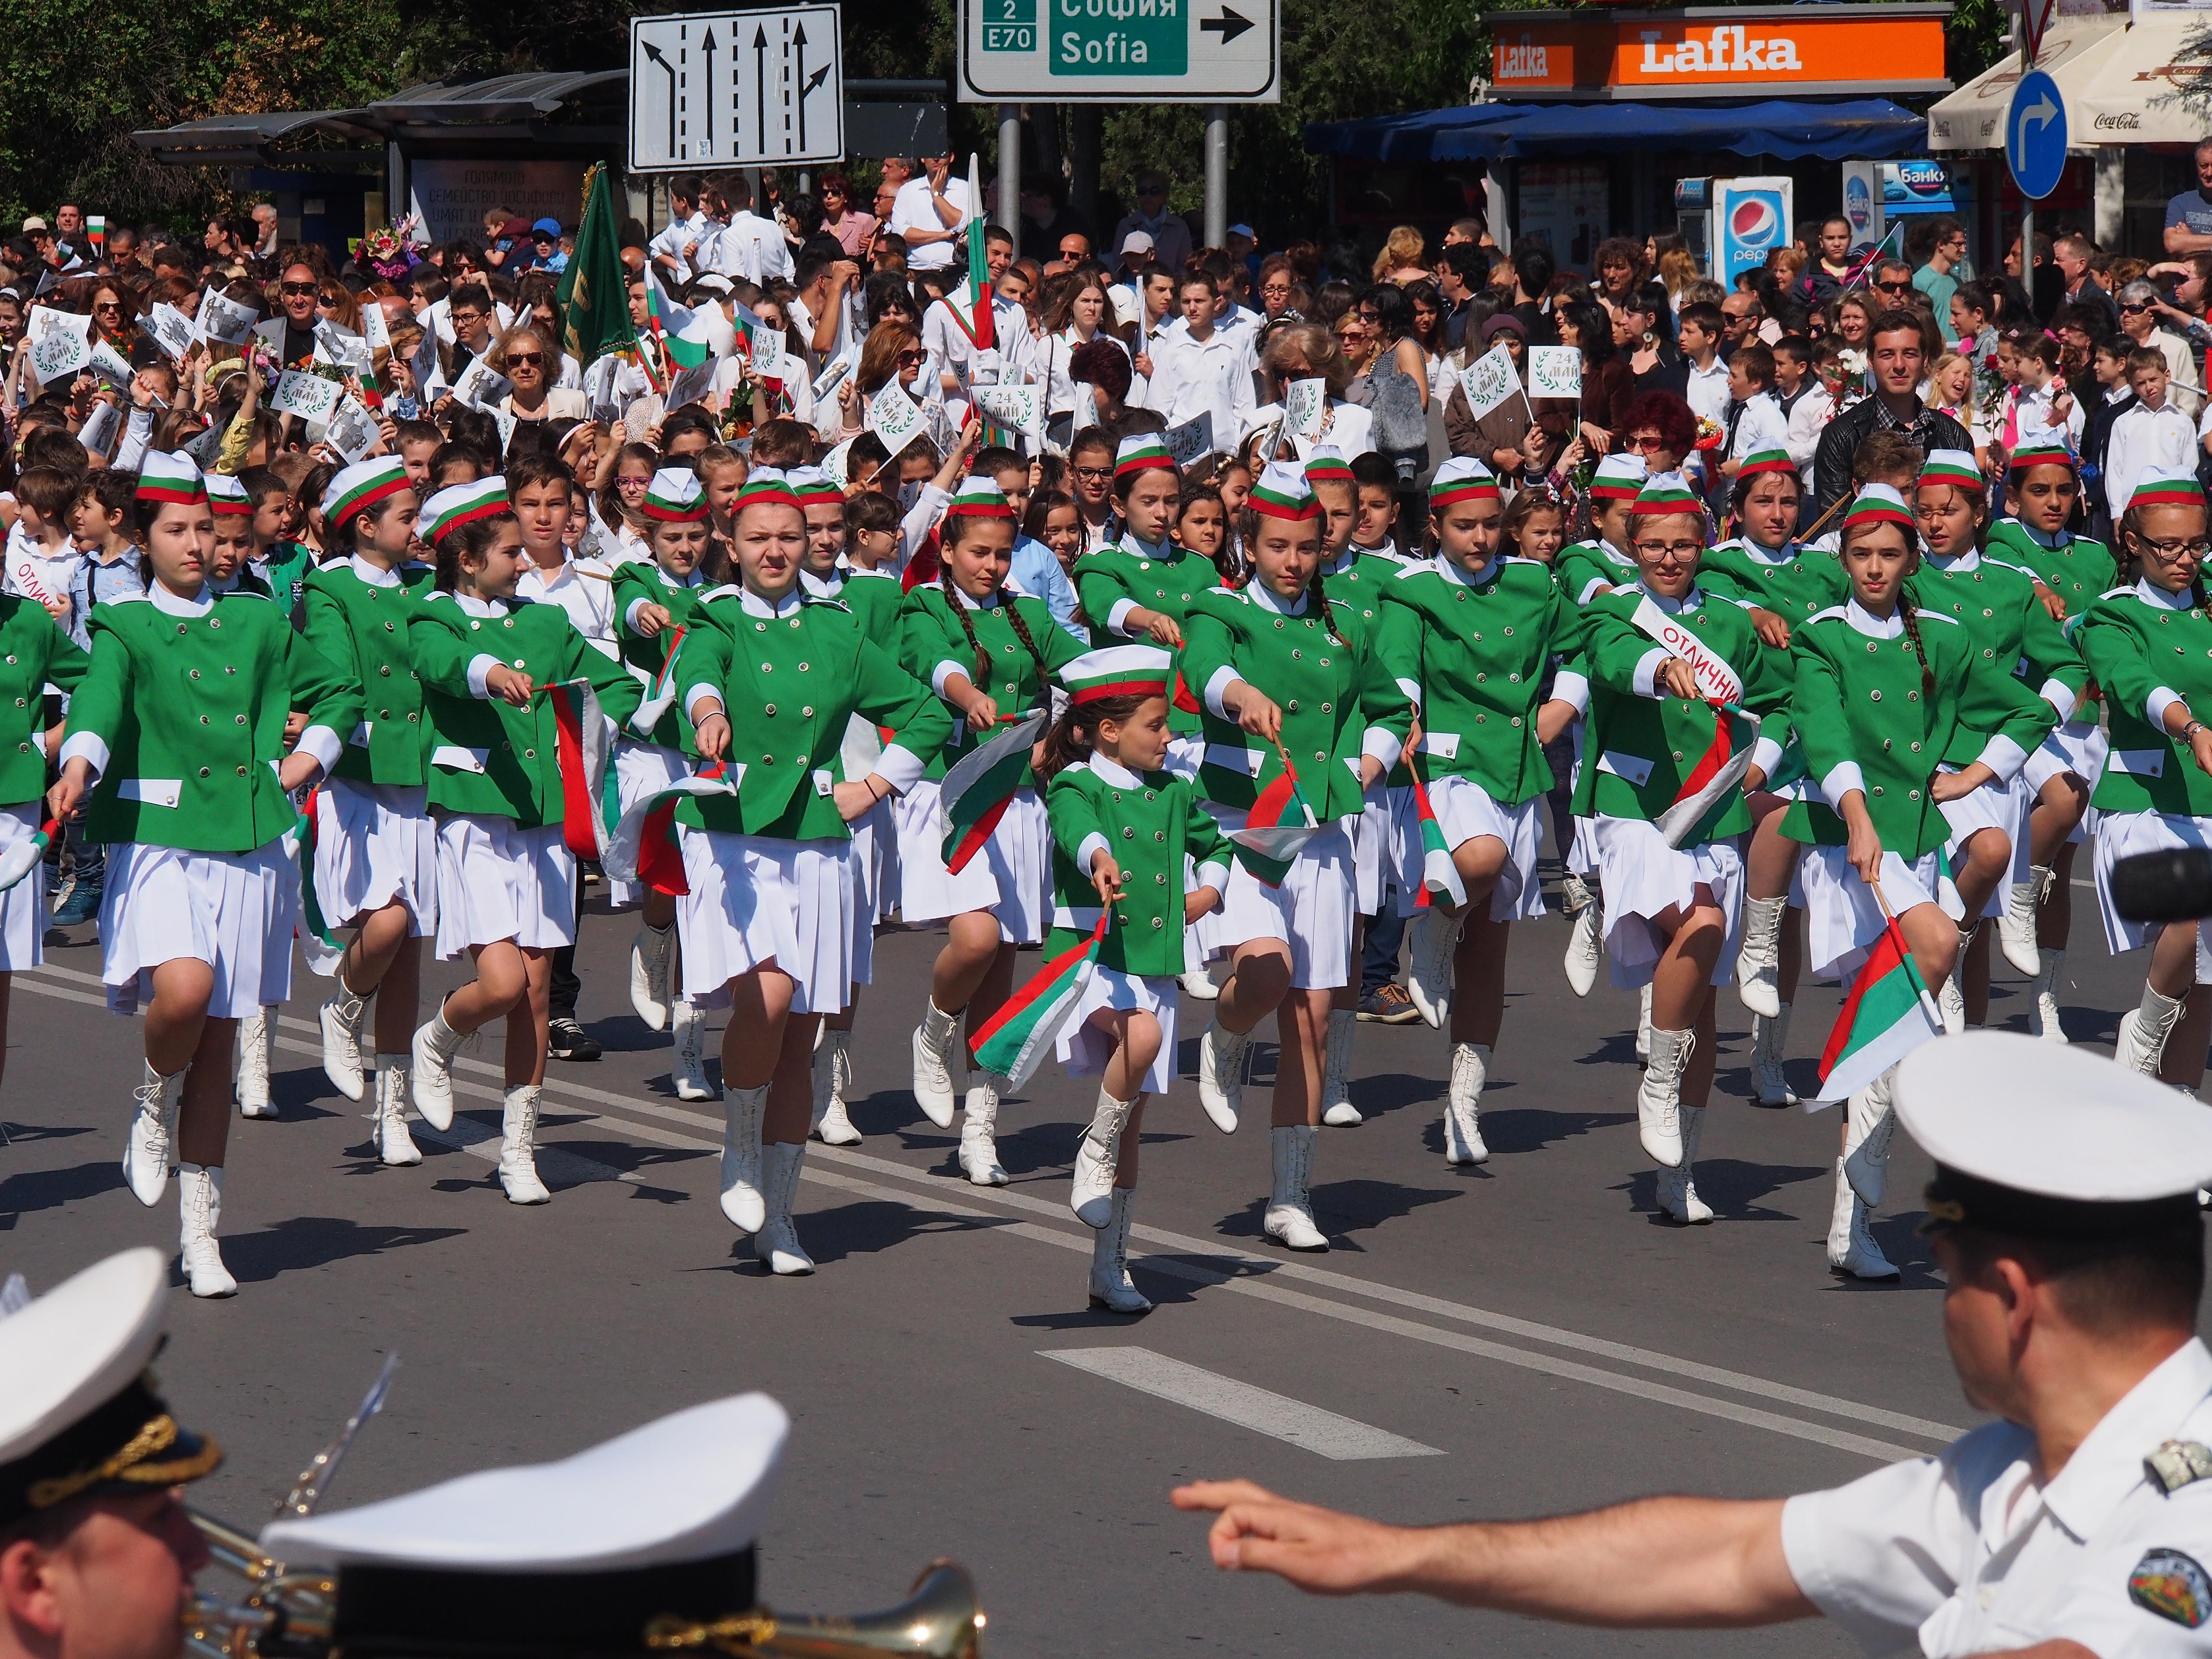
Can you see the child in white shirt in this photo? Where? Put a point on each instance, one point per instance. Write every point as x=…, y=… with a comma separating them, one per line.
x=2152, y=434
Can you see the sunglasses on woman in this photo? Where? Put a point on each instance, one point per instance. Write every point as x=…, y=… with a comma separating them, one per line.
x=909, y=359
x=525, y=359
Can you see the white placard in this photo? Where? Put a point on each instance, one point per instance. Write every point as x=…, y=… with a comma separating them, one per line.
x=1021, y=407
x=223, y=320
x=1086, y=406
x=61, y=352
x=834, y=465
x=894, y=416
x=765, y=346
x=111, y=365
x=172, y=331
x=1555, y=372
x=373, y=328
x=1489, y=380
x=310, y=397
x=506, y=423
x=481, y=386
x=833, y=373
x=353, y=429
x=1193, y=442
x=1305, y=403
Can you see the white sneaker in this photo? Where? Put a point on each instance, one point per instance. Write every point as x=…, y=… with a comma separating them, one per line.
x=518, y=1148
x=1097, y=1155
x=776, y=1241
x=1659, y=1097
x=650, y=954
x=433, y=1054
x=1199, y=984
x=1470, y=1070
x=833, y=1076
x=1290, y=1210
x=1433, y=938
x=688, y=1070
x=395, y=1144
x=1677, y=1193
x=1336, y=1108
x=1110, y=1288
x=2043, y=1011
x=150, y=1142
x=341, y=1017
x=979, y=1130
x=1221, y=1075
x=2016, y=927
x=2144, y=1032
x=933, y=1042
x=743, y=1201
x=1852, y=1246
x=1644, y=1027
x=199, y=1204
x=256, y=1040
x=1586, y=944
x=1770, y=1035
x=1758, y=962
x=1870, y=1125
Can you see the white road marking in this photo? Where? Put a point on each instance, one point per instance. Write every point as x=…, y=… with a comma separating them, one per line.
x=1325, y=1433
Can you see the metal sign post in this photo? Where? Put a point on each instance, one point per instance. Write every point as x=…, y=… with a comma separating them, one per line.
x=737, y=88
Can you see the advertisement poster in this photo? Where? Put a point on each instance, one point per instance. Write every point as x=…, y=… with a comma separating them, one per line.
x=1752, y=217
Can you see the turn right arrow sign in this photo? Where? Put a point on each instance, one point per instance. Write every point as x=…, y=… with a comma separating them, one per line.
x=1230, y=24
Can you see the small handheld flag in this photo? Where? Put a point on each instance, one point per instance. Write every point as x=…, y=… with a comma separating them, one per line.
x=1280, y=823
x=1014, y=1039
x=580, y=733
x=25, y=856
x=977, y=792
x=643, y=846
x=1439, y=873
x=1888, y=1014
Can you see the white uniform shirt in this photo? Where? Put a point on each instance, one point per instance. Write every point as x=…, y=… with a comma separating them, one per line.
x=1707, y=390
x=1192, y=375
x=679, y=235
x=584, y=589
x=1761, y=426
x=2143, y=437
x=913, y=209
x=952, y=352
x=1964, y=1554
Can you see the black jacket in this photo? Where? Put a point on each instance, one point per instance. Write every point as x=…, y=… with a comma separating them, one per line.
x=1831, y=462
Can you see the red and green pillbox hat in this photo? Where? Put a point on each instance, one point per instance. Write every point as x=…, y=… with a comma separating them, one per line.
x=2167, y=486
x=765, y=487
x=675, y=496
x=1119, y=671
x=226, y=495
x=1461, y=479
x=1955, y=467
x=1877, y=503
x=1282, y=492
x=979, y=497
x=1617, y=479
x=459, y=504
x=1664, y=495
x=1766, y=460
x=1141, y=450
x=1327, y=464
x=813, y=487
x=174, y=476
x=360, y=486
x=2044, y=448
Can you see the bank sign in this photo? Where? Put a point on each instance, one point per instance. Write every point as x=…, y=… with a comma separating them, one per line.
x=1114, y=51
x=1896, y=48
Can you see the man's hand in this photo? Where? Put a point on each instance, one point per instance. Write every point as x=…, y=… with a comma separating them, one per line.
x=1316, y=1549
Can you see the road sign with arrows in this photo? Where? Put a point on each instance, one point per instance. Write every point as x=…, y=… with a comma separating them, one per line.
x=2035, y=135
x=736, y=89
x=1193, y=52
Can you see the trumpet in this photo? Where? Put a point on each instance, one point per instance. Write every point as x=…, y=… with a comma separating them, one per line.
x=285, y=1615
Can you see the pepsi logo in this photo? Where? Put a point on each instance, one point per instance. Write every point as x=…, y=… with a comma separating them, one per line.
x=1754, y=222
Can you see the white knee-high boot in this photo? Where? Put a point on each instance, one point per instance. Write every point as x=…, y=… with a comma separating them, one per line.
x=1110, y=1286
x=1336, y=1108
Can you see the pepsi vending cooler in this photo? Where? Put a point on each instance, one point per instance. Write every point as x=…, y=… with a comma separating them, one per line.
x=1751, y=217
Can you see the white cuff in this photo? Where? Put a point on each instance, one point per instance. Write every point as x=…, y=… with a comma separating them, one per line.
x=86, y=746
x=1121, y=608
x=1840, y=783
x=1384, y=746
x=698, y=692
x=2003, y=756
x=1217, y=688
x=1645, y=682
x=629, y=612
x=324, y=744
x=1412, y=693
x=1093, y=844
x=943, y=670
x=1568, y=687
x=2158, y=702
x=1213, y=873
x=899, y=767
x=479, y=668
x=1592, y=588
x=2055, y=694
x=1766, y=755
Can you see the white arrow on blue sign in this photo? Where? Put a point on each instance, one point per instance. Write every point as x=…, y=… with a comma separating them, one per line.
x=2035, y=135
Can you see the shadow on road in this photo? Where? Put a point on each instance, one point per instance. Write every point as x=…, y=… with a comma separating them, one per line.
x=315, y=1241
x=49, y=1189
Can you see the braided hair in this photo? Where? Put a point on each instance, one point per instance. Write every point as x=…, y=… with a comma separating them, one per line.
x=1320, y=599
x=951, y=539
x=1910, y=617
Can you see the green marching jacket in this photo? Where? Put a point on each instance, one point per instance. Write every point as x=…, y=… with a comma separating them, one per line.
x=1147, y=821
x=2145, y=649
x=34, y=654
x=932, y=646
x=364, y=627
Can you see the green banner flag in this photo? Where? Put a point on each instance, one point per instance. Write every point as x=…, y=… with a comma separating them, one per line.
x=594, y=290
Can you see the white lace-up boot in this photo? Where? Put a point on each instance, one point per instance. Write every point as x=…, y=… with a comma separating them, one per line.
x=1289, y=1215
x=2043, y=1011
x=518, y=1148
x=1644, y=1027
x=1852, y=1246
x=199, y=1207
x=1336, y=1108
x=1585, y=939
x=650, y=955
x=395, y=1144
x=833, y=1076
x=1470, y=1070
x=1434, y=936
x=433, y=1050
x=934, y=1041
x=2144, y=1032
x=1870, y=1125
x=979, y=1130
x=1951, y=1001
x=776, y=1243
x=1659, y=1098
x=1678, y=1192
x=1091, y=1194
x=257, y=1043
x=342, y=1017
x=1770, y=1034
x=1110, y=1287
x=1759, y=961
x=150, y=1143
x=688, y=1070
x=1221, y=1075
x=742, y=1199
x=2016, y=927
x=1198, y=985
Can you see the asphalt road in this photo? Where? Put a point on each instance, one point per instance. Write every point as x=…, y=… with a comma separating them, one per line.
x=1529, y=1337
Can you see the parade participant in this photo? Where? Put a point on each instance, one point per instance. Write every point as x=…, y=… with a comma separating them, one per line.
x=197, y=921
x=766, y=928
x=375, y=861
x=1881, y=696
x=2141, y=642
x=507, y=877
x=1122, y=829
x=1662, y=661
x=2042, y=485
x=1469, y=636
x=1294, y=691
x=1996, y=603
x=656, y=605
x=1764, y=566
x=2074, y=1525
x=992, y=654
x=97, y=1553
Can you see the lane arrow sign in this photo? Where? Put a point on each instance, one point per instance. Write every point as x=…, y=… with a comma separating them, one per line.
x=798, y=74
x=760, y=83
x=708, y=46
x=654, y=52
x=1230, y=24
x=2041, y=114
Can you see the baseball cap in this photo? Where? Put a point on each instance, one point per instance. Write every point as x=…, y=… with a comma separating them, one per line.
x=1136, y=242
x=1245, y=231
x=548, y=227
x=34, y=222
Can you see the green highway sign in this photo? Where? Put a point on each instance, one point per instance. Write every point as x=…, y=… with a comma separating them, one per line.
x=1194, y=52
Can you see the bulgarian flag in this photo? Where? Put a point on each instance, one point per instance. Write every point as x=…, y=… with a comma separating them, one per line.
x=643, y=848
x=690, y=337
x=970, y=303
x=663, y=692
x=580, y=736
x=1718, y=770
x=1015, y=1039
x=1888, y=1014
x=323, y=951
x=975, y=793
x=1276, y=829
x=1438, y=872
x=25, y=856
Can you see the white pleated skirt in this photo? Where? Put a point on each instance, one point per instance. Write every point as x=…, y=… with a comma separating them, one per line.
x=758, y=902
x=1375, y=847
x=874, y=860
x=1642, y=876
x=1464, y=810
x=1312, y=911
x=1843, y=919
x=499, y=882
x=1990, y=805
x=235, y=911
x=23, y=907
x=2080, y=747
x=375, y=844
x=642, y=769
x=1084, y=1049
x=2123, y=834
x=1011, y=876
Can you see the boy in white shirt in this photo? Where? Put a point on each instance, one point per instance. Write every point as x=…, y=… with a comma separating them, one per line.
x=2152, y=434
x=1761, y=425
x=42, y=559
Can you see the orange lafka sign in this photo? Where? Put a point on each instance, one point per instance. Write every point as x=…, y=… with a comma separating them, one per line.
x=1707, y=54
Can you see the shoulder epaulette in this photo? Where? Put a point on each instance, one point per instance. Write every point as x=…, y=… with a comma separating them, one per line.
x=825, y=601
x=2177, y=1463
x=1833, y=613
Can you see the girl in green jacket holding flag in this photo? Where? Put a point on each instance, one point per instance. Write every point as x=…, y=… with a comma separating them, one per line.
x=521, y=707
x=176, y=757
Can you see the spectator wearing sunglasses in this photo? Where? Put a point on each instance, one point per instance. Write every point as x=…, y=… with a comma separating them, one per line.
x=1170, y=235
x=2139, y=321
x=523, y=355
x=1892, y=282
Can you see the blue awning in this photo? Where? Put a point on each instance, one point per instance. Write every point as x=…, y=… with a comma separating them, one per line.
x=1785, y=128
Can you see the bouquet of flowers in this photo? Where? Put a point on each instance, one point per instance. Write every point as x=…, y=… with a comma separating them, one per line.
x=389, y=250
x=1711, y=433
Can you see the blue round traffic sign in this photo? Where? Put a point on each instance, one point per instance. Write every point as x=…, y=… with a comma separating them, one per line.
x=2035, y=135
